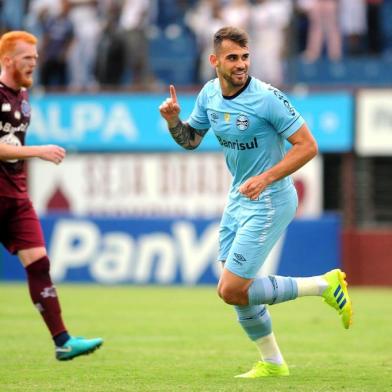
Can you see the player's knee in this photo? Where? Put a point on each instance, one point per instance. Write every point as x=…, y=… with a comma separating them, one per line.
x=40, y=266
x=230, y=295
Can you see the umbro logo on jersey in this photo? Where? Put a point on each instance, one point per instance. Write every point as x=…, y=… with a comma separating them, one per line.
x=214, y=117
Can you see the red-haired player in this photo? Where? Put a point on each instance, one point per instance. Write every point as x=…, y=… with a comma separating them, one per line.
x=20, y=229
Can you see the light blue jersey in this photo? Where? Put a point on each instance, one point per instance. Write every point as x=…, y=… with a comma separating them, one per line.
x=251, y=127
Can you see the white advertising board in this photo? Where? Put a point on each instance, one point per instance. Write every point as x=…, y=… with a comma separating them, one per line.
x=149, y=184
x=374, y=122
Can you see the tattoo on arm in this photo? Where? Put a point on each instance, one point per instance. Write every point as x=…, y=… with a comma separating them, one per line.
x=186, y=136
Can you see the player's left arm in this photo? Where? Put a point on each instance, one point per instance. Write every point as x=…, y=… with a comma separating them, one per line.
x=304, y=148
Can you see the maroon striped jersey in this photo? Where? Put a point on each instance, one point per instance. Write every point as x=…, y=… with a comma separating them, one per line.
x=14, y=119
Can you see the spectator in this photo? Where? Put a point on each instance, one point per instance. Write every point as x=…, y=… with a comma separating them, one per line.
x=269, y=20
x=57, y=40
x=323, y=26
x=134, y=22
x=87, y=26
x=353, y=24
x=204, y=19
x=374, y=26
x=110, y=61
x=236, y=13
x=11, y=14
x=38, y=10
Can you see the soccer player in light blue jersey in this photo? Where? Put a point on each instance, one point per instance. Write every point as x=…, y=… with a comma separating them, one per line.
x=251, y=121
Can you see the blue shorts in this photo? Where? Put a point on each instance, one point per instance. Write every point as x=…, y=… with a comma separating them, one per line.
x=247, y=234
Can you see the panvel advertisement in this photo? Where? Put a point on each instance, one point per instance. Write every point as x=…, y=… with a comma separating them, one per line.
x=169, y=251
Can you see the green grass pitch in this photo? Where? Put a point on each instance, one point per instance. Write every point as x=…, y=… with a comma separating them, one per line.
x=185, y=339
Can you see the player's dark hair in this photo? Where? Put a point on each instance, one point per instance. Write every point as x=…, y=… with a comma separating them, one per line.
x=230, y=33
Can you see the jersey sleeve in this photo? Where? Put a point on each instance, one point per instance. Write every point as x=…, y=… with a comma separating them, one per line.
x=281, y=114
x=199, y=118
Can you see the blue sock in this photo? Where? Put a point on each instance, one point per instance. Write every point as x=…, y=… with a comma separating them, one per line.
x=272, y=290
x=255, y=320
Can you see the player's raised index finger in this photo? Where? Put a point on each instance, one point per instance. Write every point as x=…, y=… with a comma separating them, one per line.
x=173, y=94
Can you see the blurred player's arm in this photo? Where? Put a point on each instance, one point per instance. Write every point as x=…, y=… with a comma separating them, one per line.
x=49, y=153
x=184, y=135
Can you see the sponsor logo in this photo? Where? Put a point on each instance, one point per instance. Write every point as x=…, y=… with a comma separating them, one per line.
x=6, y=107
x=237, y=145
x=214, y=117
x=239, y=259
x=7, y=127
x=284, y=99
x=67, y=349
x=227, y=117
x=48, y=292
x=117, y=256
x=242, y=122
x=26, y=108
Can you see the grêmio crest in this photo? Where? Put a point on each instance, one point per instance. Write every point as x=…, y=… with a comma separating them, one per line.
x=242, y=122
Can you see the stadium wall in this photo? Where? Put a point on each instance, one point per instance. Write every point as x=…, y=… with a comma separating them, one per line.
x=367, y=256
x=129, y=130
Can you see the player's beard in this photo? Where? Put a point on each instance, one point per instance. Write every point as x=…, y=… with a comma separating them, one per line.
x=22, y=80
x=234, y=81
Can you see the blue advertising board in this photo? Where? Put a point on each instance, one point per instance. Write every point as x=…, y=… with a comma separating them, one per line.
x=125, y=122
x=168, y=251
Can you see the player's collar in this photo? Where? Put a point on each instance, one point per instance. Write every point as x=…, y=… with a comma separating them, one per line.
x=239, y=91
x=2, y=84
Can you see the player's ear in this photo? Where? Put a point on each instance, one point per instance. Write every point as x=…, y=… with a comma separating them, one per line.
x=6, y=60
x=213, y=60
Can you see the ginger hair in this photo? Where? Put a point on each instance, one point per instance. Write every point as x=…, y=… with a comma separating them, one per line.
x=8, y=41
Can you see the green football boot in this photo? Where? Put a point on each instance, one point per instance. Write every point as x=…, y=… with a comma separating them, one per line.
x=76, y=346
x=336, y=295
x=266, y=369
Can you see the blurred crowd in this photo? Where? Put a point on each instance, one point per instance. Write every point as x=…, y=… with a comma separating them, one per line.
x=87, y=45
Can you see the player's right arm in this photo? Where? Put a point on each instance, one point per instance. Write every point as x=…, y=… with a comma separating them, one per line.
x=49, y=153
x=184, y=135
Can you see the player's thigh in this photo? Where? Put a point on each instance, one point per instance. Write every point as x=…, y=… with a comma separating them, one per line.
x=24, y=228
x=227, y=232
x=256, y=237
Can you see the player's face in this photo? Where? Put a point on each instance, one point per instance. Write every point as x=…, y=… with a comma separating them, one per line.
x=23, y=63
x=232, y=63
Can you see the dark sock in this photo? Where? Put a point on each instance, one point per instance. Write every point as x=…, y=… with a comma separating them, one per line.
x=60, y=339
x=44, y=296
